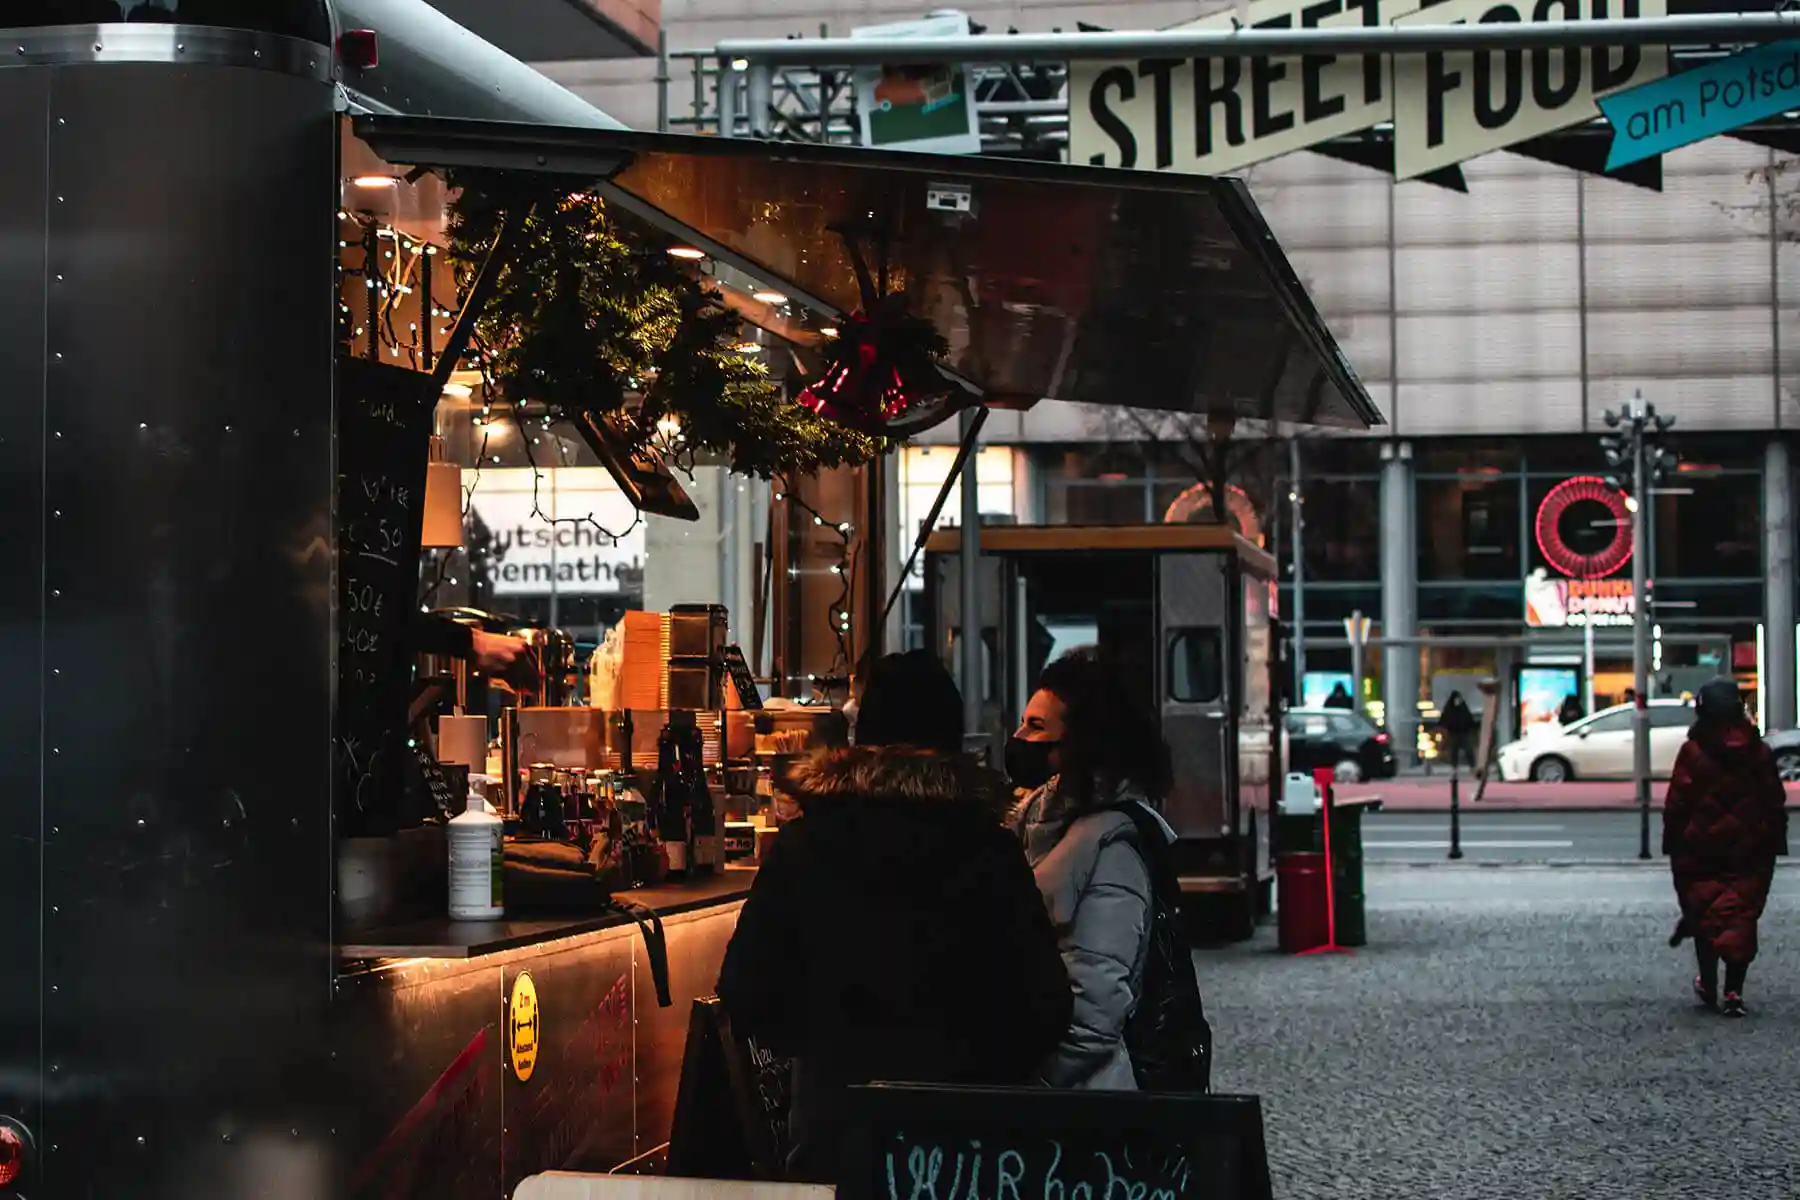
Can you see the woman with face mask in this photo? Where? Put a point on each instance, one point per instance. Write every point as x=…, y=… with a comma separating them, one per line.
x=1087, y=749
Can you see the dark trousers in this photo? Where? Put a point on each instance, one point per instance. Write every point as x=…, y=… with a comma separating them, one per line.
x=1708, y=958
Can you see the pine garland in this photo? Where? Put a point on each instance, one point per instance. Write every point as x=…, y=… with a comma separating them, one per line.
x=592, y=314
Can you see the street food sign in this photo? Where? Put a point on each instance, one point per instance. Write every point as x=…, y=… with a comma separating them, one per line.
x=1212, y=116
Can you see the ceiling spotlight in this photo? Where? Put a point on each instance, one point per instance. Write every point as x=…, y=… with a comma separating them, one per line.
x=375, y=181
x=829, y=331
x=687, y=252
x=768, y=297
x=748, y=348
x=740, y=64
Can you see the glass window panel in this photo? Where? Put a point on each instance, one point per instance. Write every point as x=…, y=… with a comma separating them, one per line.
x=1122, y=503
x=1468, y=528
x=1709, y=527
x=1342, y=541
x=1471, y=602
x=1196, y=665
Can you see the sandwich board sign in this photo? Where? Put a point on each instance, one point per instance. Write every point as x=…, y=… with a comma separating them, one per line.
x=1212, y=116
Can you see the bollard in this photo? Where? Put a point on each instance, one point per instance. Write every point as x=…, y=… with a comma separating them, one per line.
x=1455, y=810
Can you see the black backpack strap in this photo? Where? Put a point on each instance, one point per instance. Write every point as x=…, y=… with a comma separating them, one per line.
x=1153, y=847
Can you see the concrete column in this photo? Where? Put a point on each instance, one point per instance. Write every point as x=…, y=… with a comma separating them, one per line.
x=1399, y=596
x=1778, y=587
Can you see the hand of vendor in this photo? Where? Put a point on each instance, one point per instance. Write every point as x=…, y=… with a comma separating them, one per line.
x=494, y=653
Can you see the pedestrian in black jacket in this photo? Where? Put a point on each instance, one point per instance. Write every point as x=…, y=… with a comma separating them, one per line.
x=894, y=932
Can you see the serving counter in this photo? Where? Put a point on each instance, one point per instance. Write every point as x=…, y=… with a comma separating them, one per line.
x=464, y=1080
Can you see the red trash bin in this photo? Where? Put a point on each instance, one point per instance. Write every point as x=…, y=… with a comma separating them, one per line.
x=1303, y=918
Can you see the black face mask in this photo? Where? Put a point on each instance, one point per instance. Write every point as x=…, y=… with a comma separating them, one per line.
x=1028, y=763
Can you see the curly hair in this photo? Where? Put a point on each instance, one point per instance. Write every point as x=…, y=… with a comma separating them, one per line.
x=1110, y=735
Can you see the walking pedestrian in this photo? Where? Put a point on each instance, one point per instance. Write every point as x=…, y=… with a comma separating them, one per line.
x=1570, y=712
x=1724, y=824
x=1339, y=697
x=894, y=931
x=1090, y=751
x=1456, y=726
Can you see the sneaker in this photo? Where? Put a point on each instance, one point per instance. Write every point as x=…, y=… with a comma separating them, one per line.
x=1733, y=1006
x=1707, y=994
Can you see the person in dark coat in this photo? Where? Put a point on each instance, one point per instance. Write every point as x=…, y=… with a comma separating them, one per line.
x=1724, y=824
x=1570, y=712
x=1456, y=726
x=894, y=931
x=1339, y=697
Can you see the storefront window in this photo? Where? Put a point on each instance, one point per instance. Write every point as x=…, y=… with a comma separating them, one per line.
x=304, y=19
x=1680, y=602
x=1486, y=603
x=923, y=470
x=1708, y=527
x=1342, y=539
x=1097, y=502
x=1330, y=605
x=1467, y=456
x=559, y=545
x=1468, y=528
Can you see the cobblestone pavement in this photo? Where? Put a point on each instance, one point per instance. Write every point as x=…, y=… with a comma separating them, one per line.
x=1513, y=1033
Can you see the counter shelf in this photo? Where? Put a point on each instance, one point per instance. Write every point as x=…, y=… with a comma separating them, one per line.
x=441, y=937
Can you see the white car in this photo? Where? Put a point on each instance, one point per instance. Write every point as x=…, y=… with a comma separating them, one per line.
x=1597, y=747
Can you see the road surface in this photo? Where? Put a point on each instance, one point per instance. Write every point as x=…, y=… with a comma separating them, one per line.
x=1515, y=1033
x=1431, y=793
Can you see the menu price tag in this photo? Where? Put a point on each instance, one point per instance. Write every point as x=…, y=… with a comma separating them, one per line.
x=384, y=425
x=742, y=681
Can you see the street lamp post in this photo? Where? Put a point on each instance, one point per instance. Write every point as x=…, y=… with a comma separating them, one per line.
x=1637, y=433
x=1640, y=636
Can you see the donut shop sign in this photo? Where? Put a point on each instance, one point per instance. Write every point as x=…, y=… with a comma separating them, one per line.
x=1213, y=116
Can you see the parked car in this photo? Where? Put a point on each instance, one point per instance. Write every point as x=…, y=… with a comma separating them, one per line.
x=1786, y=745
x=1351, y=745
x=1597, y=747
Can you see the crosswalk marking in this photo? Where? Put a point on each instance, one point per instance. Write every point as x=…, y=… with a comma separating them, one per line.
x=1440, y=826
x=1469, y=845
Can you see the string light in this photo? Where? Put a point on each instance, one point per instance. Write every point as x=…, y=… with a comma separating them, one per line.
x=837, y=615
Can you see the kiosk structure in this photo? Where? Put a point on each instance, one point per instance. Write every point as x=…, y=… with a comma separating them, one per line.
x=1189, y=610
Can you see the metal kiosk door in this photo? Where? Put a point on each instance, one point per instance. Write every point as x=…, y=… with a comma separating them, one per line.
x=1197, y=611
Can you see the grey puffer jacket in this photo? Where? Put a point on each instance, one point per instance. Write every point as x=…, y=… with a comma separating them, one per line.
x=1097, y=889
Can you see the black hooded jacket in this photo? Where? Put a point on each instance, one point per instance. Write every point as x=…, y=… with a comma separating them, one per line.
x=894, y=932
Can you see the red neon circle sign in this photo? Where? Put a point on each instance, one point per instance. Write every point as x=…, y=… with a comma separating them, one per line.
x=1564, y=557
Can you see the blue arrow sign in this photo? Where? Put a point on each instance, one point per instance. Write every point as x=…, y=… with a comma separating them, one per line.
x=1678, y=110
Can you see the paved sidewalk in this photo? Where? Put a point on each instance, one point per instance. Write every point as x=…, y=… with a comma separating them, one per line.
x=1515, y=1034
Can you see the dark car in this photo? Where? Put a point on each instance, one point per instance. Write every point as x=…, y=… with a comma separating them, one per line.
x=1353, y=747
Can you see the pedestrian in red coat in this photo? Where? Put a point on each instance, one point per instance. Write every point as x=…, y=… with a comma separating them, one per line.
x=1724, y=824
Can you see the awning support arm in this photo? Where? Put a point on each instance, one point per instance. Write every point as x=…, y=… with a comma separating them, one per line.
x=512, y=225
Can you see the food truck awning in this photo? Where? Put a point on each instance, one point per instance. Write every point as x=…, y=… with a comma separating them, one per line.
x=1097, y=286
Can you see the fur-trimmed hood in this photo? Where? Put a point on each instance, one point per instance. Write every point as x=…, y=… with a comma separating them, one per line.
x=895, y=775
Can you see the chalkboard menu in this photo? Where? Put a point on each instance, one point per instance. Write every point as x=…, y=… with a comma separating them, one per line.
x=911, y=1142
x=384, y=427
